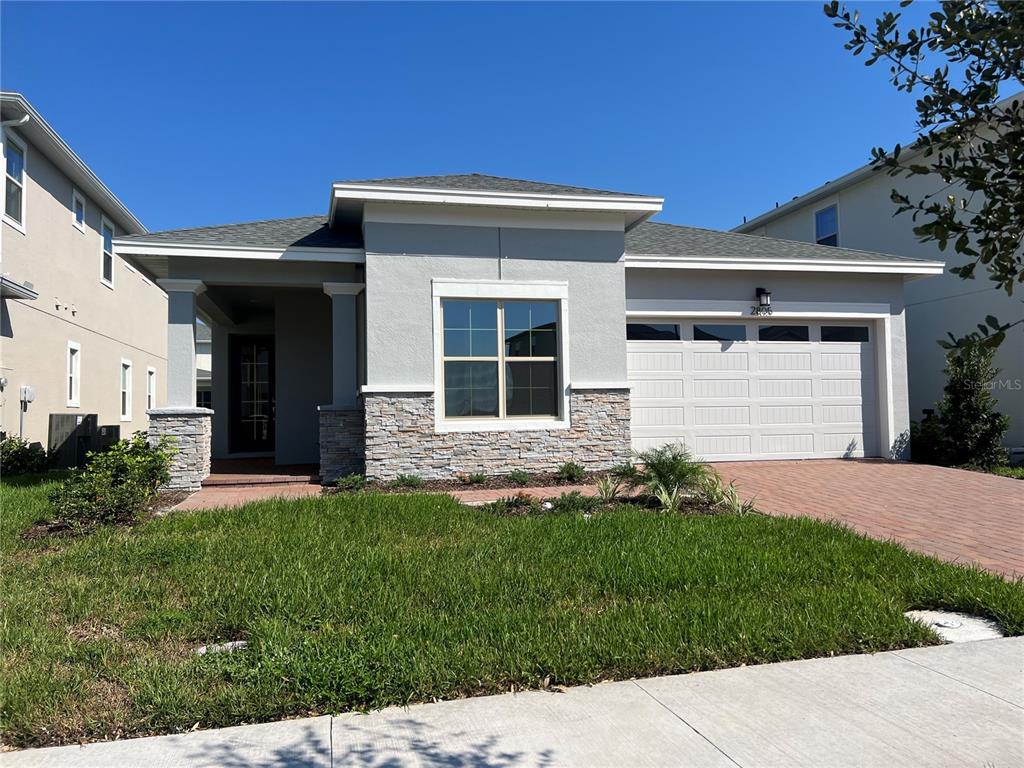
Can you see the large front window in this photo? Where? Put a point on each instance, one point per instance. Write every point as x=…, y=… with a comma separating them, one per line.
x=518, y=377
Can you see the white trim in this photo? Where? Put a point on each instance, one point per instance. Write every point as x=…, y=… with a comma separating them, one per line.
x=125, y=402
x=77, y=197
x=669, y=308
x=886, y=413
x=425, y=213
x=451, y=288
x=21, y=226
x=198, y=250
x=150, y=393
x=542, y=290
x=344, y=289
x=107, y=223
x=600, y=385
x=74, y=374
x=654, y=261
x=182, y=285
x=371, y=389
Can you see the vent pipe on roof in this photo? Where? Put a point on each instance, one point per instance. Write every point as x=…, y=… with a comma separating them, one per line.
x=20, y=121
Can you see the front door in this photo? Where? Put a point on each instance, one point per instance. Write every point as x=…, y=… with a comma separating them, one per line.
x=251, y=403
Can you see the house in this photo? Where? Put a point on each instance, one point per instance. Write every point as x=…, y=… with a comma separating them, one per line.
x=471, y=323
x=83, y=333
x=855, y=211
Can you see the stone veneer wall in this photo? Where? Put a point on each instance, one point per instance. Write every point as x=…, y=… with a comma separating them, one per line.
x=400, y=438
x=341, y=442
x=190, y=430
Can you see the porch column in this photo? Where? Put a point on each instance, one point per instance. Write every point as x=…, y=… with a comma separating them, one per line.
x=342, y=431
x=181, y=341
x=344, y=350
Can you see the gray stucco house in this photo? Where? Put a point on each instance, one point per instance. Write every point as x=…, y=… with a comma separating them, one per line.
x=464, y=323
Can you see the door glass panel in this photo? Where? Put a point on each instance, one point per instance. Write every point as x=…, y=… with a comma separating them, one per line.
x=652, y=332
x=720, y=332
x=783, y=333
x=844, y=333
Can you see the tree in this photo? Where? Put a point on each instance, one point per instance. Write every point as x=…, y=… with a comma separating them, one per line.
x=966, y=136
x=972, y=428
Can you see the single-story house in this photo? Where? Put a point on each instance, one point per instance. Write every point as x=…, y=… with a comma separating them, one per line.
x=471, y=323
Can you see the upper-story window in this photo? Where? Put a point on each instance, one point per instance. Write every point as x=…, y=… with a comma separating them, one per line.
x=126, y=390
x=78, y=210
x=14, y=202
x=826, y=226
x=107, y=267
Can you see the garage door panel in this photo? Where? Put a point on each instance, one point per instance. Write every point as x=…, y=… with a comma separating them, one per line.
x=784, y=361
x=720, y=361
x=721, y=388
x=841, y=387
x=657, y=388
x=851, y=443
x=721, y=415
x=659, y=416
x=785, y=387
x=654, y=362
x=722, y=445
x=787, y=414
x=787, y=443
x=842, y=414
x=841, y=361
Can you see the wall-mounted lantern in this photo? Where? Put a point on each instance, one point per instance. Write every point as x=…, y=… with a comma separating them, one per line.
x=764, y=303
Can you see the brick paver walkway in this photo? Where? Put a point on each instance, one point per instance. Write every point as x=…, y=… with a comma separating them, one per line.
x=953, y=514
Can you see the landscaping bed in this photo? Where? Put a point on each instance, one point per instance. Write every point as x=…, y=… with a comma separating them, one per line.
x=366, y=600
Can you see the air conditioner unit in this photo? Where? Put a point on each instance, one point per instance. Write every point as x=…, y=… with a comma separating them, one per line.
x=70, y=438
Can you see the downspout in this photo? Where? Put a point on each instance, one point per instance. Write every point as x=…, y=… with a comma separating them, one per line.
x=18, y=121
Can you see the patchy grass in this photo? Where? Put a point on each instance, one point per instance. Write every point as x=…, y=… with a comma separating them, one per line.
x=360, y=601
x=1014, y=472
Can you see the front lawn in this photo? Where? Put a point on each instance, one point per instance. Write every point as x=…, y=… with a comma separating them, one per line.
x=368, y=600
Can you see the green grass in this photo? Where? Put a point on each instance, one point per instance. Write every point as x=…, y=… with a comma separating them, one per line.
x=368, y=600
x=1014, y=472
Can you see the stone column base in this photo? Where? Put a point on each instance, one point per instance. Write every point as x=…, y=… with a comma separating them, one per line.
x=342, y=442
x=190, y=431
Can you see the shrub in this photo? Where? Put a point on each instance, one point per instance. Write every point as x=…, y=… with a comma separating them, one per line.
x=353, y=483
x=518, y=505
x=724, y=498
x=573, y=503
x=629, y=475
x=472, y=478
x=407, y=481
x=608, y=488
x=519, y=477
x=670, y=466
x=670, y=498
x=973, y=429
x=115, y=486
x=570, y=472
x=928, y=441
x=19, y=457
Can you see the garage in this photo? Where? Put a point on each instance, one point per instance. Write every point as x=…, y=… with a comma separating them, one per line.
x=755, y=388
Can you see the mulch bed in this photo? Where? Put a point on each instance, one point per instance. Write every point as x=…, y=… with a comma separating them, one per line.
x=493, y=482
x=158, y=507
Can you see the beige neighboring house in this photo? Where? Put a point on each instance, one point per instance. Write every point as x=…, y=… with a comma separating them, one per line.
x=855, y=211
x=83, y=332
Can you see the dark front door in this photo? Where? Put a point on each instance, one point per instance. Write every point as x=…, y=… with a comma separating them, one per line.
x=251, y=382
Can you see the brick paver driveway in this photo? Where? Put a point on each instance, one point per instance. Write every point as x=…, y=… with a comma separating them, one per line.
x=950, y=513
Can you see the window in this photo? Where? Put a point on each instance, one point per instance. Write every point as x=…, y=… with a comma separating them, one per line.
x=74, y=374
x=150, y=389
x=783, y=333
x=652, y=332
x=14, y=200
x=826, y=226
x=107, y=267
x=126, y=390
x=204, y=399
x=722, y=332
x=78, y=210
x=844, y=333
x=518, y=377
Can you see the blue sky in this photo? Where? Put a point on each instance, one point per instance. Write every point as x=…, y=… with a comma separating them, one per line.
x=206, y=113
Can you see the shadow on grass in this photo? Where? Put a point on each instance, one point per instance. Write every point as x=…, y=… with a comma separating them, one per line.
x=33, y=479
x=397, y=743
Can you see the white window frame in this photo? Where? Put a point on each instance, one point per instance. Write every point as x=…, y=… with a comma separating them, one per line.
x=150, y=387
x=74, y=374
x=501, y=290
x=817, y=238
x=124, y=389
x=105, y=222
x=77, y=197
x=10, y=138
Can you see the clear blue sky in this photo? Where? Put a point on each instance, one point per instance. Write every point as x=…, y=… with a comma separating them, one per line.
x=204, y=113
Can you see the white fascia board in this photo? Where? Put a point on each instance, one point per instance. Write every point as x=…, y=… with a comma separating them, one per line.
x=199, y=250
x=635, y=261
x=621, y=204
x=668, y=308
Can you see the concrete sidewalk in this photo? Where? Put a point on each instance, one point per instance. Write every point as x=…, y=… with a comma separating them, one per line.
x=951, y=705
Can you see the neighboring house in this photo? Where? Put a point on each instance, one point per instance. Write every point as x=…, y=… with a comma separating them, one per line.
x=83, y=332
x=204, y=366
x=439, y=324
x=855, y=211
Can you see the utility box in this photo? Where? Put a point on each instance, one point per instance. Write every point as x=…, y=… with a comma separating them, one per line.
x=106, y=435
x=71, y=438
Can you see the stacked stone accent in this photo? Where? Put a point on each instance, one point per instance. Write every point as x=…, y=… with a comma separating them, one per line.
x=190, y=430
x=401, y=439
x=341, y=442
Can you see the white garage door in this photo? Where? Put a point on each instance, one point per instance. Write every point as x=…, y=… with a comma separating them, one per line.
x=754, y=389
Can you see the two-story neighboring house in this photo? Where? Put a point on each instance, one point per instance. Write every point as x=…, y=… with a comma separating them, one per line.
x=855, y=211
x=83, y=332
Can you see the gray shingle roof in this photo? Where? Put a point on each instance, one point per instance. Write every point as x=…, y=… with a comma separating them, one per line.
x=483, y=183
x=301, y=232
x=657, y=239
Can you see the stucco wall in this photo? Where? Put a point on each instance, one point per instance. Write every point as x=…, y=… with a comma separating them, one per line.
x=934, y=305
x=127, y=321
x=402, y=259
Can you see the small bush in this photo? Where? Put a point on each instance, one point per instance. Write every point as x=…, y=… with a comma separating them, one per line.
x=928, y=441
x=570, y=472
x=670, y=498
x=472, y=478
x=723, y=498
x=353, y=483
x=608, y=489
x=629, y=475
x=670, y=466
x=115, y=486
x=574, y=503
x=20, y=457
x=519, y=477
x=518, y=505
x=407, y=481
